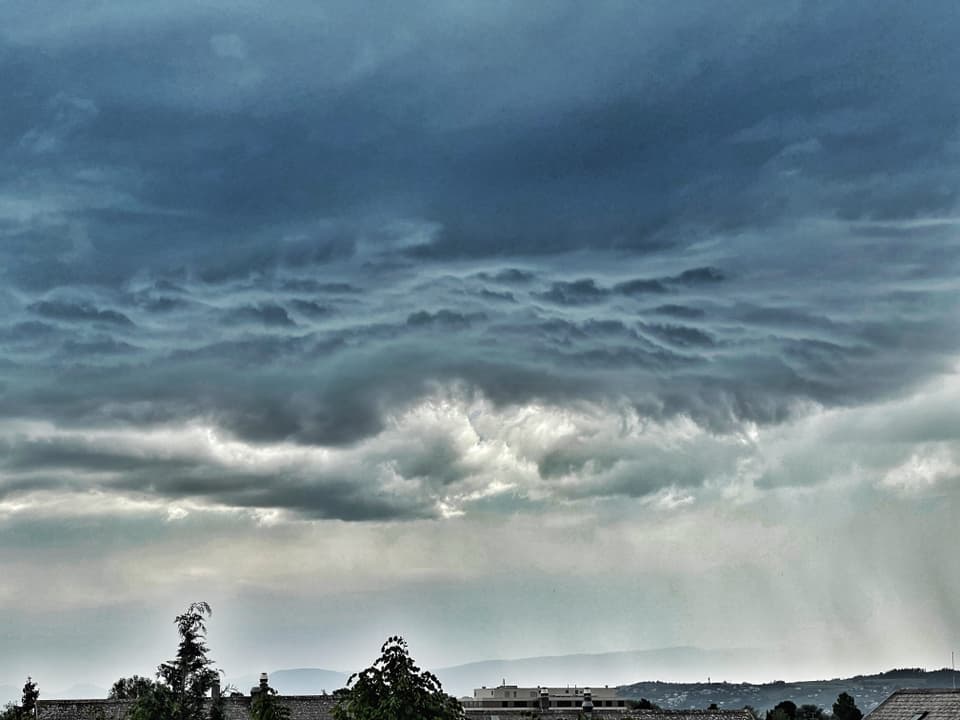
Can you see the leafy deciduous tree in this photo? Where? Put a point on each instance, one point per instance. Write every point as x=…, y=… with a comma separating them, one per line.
x=786, y=710
x=131, y=688
x=810, y=712
x=642, y=704
x=394, y=688
x=845, y=708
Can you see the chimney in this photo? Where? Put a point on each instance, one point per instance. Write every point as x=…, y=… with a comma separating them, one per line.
x=587, y=706
x=544, y=699
x=215, y=689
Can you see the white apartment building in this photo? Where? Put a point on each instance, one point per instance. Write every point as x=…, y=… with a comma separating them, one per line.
x=506, y=696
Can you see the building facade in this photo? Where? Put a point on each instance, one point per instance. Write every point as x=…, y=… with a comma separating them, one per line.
x=504, y=697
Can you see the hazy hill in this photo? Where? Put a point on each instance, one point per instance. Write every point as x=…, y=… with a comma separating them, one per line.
x=598, y=669
x=868, y=690
x=296, y=681
x=12, y=693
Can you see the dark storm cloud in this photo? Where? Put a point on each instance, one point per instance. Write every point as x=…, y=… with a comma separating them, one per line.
x=613, y=159
x=267, y=314
x=27, y=331
x=449, y=319
x=640, y=287
x=311, y=308
x=71, y=312
x=161, y=304
x=102, y=345
x=577, y=292
x=586, y=290
x=680, y=311
x=296, y=228
x=307, y=285
x=495, y=295
x=698, y=276
x=681, y=335
x=509, y=276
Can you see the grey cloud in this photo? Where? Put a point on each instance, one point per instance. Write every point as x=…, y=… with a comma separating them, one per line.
x=576, y=292
x=308, y=285
x=544, y=213
x=509, y=276
x=698, y=276
x=680, y=335
x=626, y=161
x=78, y=311
x=266, y=314
x=445, y=318
x=680, y=311
x=27, y=331
x=640, y=287
x=586, y=290
x=163, y=304
x=98, y=346
x=311, y=308
x=494, y=295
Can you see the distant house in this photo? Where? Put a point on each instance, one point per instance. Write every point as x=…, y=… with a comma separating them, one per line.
x=923, y=704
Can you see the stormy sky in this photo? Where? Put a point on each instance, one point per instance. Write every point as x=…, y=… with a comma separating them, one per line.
x=514, y=328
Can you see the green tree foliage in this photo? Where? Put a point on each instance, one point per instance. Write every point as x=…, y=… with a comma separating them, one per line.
x=185, y=680
x=28, y=702
x=394, y=688
x=154, y=705
x=845, y=708
x=810, y=712
x=9, y=712
x=131, y=688
x=265, y=706
x=642, y=704
x=786, y=710
x=778, y=714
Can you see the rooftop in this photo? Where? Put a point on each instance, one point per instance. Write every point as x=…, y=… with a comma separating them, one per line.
x=919, y=704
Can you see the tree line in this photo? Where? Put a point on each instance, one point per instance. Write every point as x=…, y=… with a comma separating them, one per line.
x=845, y=708
x=393, y=688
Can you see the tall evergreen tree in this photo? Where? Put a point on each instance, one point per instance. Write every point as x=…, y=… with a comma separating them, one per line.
x=185, y=680
x=28, y=703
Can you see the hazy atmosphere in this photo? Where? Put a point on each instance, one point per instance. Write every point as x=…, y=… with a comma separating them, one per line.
x=514, y=328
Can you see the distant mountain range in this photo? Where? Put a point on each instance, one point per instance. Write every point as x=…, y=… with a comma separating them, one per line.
x=296, y=681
